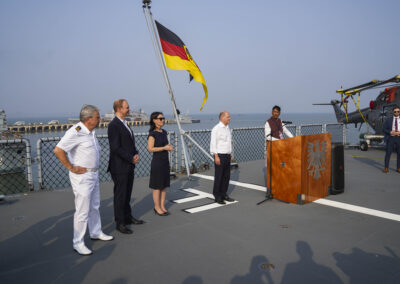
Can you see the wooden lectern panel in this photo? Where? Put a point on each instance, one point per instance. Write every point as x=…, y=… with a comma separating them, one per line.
x=300, y=168
x=285, y=169
x=316, y=157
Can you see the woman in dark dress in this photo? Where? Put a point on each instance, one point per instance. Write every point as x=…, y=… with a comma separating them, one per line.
x=157, y=143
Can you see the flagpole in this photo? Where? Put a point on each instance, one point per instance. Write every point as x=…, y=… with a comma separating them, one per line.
x=146, y=7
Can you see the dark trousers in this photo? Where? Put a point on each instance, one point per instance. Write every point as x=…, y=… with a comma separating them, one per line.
x=393, y=140
x=222, y=176
x=122, y=196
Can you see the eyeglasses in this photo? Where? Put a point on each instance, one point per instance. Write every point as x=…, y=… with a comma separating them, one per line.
x=396, y=111
x=161, y=118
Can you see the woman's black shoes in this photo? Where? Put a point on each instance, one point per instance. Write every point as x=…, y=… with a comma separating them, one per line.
x=164, y=214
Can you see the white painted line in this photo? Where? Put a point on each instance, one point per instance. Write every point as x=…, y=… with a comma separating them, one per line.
x=199, y=195
x=241, y=184
x=188, y=199
x=207, y=207
x=198, y=192
x=359, y=209
x=345, y=206
x=203, y=176
x=249, y=185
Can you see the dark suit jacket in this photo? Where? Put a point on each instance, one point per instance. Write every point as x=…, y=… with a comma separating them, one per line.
x=387, y=128
x=122, y=148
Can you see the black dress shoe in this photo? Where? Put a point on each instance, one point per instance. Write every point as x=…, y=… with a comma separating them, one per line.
x=124, y=229
x=227, y=198
x=220, y=201
x=135, y=221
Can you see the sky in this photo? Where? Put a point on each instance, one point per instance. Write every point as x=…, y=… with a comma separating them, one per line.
x=56, y=56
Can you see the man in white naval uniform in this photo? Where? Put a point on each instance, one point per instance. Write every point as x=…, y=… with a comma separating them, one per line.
x=83, y=160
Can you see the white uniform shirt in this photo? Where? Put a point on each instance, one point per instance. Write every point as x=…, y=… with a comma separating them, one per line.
x=267, y=131
x=398, y=123
x=82, y=146
x=221, y=139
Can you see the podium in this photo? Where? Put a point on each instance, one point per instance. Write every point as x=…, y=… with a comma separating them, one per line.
x=299, y=168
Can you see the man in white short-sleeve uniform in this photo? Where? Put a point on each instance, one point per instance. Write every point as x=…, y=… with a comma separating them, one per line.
x=83, y=160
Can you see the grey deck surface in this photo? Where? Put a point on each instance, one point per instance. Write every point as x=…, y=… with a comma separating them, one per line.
x=274, y=242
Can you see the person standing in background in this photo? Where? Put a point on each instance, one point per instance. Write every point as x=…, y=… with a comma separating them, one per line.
x=221, y=149
x=123, y=158
x=274, y=128
x=157, y=143
x=391, y=129
x=83, y=161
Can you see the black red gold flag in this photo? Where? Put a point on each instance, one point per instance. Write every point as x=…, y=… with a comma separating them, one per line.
x=177, y=56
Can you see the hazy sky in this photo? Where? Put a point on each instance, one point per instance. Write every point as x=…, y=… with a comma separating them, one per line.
x=56, y=55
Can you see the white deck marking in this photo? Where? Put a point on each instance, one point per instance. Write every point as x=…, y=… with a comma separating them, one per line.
x=336, y=204
x=200, y=195
x=195, y=191
x=188, y=199
x=207, y=207
x=359, y=209
x=246, y=185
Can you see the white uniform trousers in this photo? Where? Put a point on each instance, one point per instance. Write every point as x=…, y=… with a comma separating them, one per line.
x=87, y=202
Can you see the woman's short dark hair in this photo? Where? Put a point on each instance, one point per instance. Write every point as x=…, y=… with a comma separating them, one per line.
x=278, y=108
x=153, y=116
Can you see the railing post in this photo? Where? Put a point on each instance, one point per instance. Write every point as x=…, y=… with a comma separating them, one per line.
x=344, y=134
x=298, y=130
x=182, y=159
x=29, y=163
x=323, y=128
x=39, y=161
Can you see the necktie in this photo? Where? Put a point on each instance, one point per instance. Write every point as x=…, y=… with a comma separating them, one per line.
x=396, y=127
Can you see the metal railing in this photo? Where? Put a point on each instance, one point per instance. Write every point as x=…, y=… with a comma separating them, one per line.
x=15, y=166
x=53, y=175
x=248, y=145
x=249, y=142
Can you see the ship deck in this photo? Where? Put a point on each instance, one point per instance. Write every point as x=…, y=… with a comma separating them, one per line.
x=273, y=242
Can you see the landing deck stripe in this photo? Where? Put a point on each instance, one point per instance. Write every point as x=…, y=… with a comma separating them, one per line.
x=246, y=185
x=336, y=204
x=207, y=207
x=188, y=199
x=359, y=209
x=199, y=195
x=198, y=192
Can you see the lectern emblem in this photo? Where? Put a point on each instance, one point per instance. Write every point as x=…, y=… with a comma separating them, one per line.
x=316, y=158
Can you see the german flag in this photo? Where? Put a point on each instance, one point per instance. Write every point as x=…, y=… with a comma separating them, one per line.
x=177, y=56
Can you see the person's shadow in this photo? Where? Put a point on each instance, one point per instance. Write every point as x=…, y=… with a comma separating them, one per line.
x=43, y=253
x=306, y=270
x=363, y=267
x=193, y=279
x=259, y=270
x=370, y=162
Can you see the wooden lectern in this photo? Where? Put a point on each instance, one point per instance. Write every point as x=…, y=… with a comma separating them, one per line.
x=299, y=168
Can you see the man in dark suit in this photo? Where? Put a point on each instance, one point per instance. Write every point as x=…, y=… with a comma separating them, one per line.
x=123, y=157
x=391, y=128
